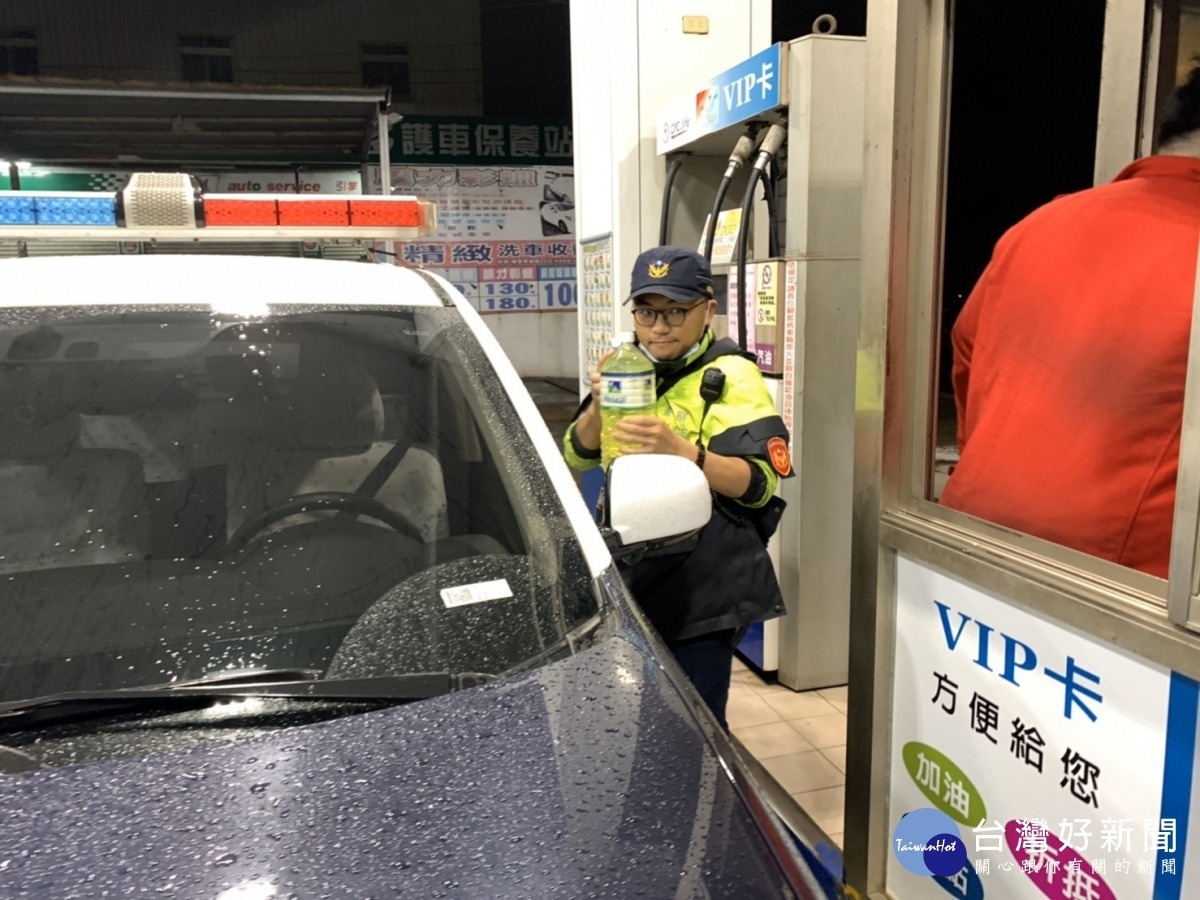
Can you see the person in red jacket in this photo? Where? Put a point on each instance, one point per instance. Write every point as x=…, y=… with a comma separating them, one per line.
x=1070, y=358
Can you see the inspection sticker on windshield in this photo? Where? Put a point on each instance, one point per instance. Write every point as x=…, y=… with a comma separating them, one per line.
x=480, y=592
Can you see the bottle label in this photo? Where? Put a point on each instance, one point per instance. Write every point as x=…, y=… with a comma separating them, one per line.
x=627, y=391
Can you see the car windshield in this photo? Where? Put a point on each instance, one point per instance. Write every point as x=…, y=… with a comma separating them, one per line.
x=319, y=488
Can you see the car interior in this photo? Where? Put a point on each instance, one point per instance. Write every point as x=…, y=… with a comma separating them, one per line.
x=188, y=496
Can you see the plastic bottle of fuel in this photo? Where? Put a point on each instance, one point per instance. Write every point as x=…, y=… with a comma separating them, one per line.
x=626, y=389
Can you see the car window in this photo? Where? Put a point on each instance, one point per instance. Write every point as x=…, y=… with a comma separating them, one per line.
x=342, y=490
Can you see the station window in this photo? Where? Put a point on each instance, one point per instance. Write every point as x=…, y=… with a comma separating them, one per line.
x=18, y=52
x=1189, y=39
x=1055, y=390
x=206, y=58
x=386, y=65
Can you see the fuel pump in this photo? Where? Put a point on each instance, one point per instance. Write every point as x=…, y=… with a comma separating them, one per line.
x=796, y=308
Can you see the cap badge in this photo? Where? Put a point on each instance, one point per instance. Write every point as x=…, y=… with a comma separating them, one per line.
x=659, y=269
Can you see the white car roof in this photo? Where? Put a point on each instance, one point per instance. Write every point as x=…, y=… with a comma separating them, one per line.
x=206, y=279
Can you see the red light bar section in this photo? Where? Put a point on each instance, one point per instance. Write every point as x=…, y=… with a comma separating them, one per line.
x=398, y=212
x=284, y=210
x=223, y=209
x=313, y=211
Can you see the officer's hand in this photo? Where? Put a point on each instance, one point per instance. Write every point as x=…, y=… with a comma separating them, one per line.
x=649, y=434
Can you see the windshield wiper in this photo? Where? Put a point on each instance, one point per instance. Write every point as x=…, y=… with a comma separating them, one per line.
x=266, y=683
x=239, y=676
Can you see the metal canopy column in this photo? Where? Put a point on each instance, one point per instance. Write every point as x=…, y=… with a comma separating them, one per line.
x=907, y=57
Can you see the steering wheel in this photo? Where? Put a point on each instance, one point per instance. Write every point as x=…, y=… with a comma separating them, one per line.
x=302, y=503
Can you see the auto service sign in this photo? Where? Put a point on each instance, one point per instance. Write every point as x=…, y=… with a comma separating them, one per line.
x=323, y=181
x=1065, y=763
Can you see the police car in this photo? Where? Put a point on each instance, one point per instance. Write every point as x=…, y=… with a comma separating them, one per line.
x=299, y=598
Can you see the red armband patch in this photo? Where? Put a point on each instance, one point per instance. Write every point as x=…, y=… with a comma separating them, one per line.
x=781, y=460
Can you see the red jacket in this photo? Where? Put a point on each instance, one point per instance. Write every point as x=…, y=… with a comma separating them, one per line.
x=1070, y=359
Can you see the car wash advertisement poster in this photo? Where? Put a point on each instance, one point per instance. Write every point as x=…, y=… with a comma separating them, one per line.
x=506, y=234
x=1033, y=761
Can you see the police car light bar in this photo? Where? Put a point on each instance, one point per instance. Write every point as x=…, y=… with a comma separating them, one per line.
x=171, y=206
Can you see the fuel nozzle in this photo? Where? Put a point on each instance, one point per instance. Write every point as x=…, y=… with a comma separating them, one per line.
x=741, y=151
x=770, y=144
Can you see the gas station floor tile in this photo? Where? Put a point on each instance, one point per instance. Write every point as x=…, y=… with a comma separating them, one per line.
x=827, y=809
x=762, y=688
x=836, y=696
x=836, y=755
x=745, y=712
x=773, y=739
x=823, y=731
x=799, y=773
x=791, y=705
x=748, y=679
x=800, y=737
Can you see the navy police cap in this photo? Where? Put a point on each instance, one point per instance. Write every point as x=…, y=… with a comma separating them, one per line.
x=676, y=273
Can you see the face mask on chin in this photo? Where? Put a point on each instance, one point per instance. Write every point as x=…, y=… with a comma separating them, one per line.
x=650, y=356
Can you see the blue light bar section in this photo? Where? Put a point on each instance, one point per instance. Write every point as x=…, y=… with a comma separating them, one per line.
x=58, y=208
x=17, y=211
x=77, y=210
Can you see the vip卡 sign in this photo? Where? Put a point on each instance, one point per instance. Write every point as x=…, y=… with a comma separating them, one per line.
x=1065, y=762
x=751, y=88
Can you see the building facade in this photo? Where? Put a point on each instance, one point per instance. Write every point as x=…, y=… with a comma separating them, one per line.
x=427, y=53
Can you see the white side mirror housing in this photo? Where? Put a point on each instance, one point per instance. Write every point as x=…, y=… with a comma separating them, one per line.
x=655, y=498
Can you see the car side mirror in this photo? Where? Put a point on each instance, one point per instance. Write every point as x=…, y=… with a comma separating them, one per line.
x=654, y=500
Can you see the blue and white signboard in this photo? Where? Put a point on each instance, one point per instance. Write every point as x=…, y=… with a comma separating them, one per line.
x=1065, y=765
x=749, y=89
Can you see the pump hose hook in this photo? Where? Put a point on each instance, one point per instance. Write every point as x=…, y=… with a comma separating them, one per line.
x=825, y=24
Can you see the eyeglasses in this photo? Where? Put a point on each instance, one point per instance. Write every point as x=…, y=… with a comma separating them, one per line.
x=674, y=316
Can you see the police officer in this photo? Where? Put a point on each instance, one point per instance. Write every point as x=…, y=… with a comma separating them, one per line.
x=712, y=408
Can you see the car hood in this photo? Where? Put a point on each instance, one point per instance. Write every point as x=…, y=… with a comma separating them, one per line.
x=589, y=777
